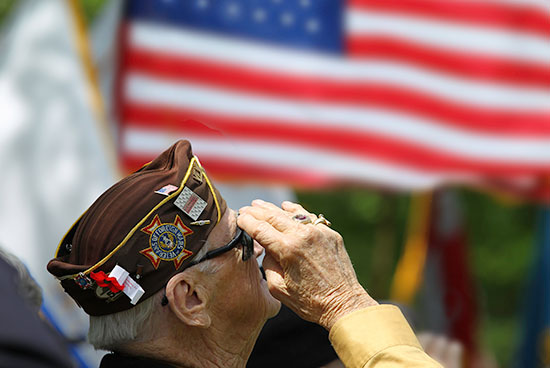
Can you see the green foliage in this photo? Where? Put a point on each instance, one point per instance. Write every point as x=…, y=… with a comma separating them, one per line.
x=5, y=8
x=500, y=335
x=91, y=8
x=501, y=239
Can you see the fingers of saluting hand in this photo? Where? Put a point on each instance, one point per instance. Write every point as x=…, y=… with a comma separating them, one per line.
x=262, y=231
x=275, y=216
x=272, y=226
x=293, y=207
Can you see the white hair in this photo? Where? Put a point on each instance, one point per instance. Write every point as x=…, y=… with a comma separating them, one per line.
x=112, y=331
x=27, y=287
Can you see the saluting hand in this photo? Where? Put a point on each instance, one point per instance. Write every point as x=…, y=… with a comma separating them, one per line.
x=307, y=266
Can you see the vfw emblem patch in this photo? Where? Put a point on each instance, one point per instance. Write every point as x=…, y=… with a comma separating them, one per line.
x=167, y=242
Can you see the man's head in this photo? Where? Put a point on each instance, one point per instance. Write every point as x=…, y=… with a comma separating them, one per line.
x=132, y=257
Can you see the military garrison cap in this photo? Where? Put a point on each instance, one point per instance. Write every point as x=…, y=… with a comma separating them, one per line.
x=139, y=233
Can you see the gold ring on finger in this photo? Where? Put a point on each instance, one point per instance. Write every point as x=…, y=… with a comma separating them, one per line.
x=322, y=220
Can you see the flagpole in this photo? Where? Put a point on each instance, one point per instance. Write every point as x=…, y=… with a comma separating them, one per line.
x=96, y=100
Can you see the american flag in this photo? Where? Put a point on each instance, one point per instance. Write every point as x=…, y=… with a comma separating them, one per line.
x=405, y=94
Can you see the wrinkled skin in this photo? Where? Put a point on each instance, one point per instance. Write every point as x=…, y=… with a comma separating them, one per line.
x=307, y=266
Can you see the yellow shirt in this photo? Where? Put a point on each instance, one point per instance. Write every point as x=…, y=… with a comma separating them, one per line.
x=378, y=337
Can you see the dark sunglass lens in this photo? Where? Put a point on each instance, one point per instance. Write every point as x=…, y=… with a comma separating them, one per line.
x=248, y=246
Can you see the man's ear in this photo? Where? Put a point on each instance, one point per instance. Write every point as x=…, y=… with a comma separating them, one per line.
x=187, y=300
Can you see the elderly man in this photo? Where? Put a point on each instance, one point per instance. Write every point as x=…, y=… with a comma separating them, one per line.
x=168, y=275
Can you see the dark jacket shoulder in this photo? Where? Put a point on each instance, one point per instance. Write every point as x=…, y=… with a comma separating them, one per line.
x=116, y=360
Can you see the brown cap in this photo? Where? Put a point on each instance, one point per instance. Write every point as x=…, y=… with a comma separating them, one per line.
x=139, y=233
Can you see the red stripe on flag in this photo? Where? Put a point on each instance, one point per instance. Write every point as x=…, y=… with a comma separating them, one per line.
x=494, y=121
x=518, y=18
x=480, y=67
x=360, y=144
x=224, y=169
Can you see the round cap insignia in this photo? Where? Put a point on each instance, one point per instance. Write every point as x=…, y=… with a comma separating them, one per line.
x=166, y=242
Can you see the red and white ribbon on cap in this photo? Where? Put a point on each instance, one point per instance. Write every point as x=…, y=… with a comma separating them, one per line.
x=131, y=288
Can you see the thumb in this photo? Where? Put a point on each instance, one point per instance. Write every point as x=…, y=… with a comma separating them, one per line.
x=274, y=277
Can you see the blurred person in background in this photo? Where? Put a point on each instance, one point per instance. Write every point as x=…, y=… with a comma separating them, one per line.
x=27, y=287
x=168, y=275
x=25, y=339
x=448, y=352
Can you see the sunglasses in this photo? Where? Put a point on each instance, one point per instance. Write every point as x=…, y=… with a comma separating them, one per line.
x=241, y=238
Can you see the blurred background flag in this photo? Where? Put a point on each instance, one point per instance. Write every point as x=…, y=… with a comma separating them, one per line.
x=534, y=348
x=400, y=94
x=434, y=273
x=54, y=157
x=447, y=298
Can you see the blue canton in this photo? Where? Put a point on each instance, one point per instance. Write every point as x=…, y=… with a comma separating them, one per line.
x=315, y=25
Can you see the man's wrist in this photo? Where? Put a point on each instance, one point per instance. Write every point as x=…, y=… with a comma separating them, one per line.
x=344, y=304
